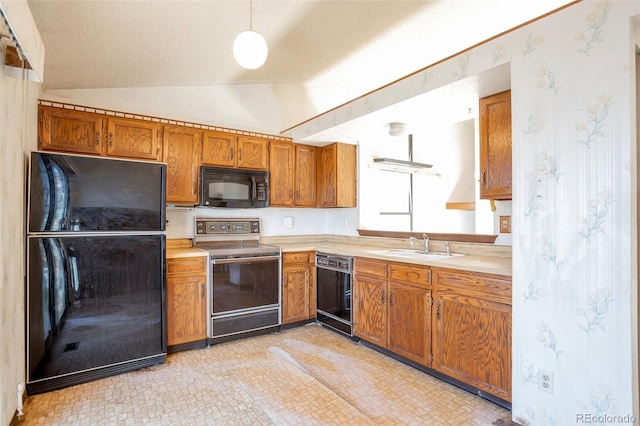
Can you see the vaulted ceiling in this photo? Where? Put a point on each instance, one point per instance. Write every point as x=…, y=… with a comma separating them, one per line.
x=148, y=43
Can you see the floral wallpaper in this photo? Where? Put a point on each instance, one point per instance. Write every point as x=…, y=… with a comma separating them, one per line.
x=572, y=86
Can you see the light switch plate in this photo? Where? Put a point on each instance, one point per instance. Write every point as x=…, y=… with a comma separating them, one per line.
x=288, y=222
x=505, y=224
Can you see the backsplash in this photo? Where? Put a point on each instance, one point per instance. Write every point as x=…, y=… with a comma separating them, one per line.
x=274, y=221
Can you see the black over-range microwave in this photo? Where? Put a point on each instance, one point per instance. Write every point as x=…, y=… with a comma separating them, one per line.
x=233, y=188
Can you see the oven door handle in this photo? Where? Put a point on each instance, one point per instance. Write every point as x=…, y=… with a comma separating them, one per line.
x=244, y=260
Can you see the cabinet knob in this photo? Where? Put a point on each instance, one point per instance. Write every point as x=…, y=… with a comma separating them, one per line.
x=110, y=139
x=231, y=156
x=438, y=309
x=239, y=155
x=202, y=290
x=391, y=298
x=484, y=178
x=382, y=294
x=97, y=138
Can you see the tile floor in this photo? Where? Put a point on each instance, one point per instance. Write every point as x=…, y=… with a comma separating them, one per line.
x=301, y=376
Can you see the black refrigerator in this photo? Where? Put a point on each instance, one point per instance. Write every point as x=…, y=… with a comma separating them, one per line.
x=95, y=268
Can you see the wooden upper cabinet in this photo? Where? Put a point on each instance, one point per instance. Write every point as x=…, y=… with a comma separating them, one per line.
x=134, y=139
x=305, y=176
x=230, y=150
x=70, y=131
x=182, y=153
x=253, y=153
x=495, y=146
x=281, y=155
x=219, y=149
x=83, y=132
x=336, y=180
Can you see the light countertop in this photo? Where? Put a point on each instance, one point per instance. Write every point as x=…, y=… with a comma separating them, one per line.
x=499, y=265
x=180, y=252
x=492, y=260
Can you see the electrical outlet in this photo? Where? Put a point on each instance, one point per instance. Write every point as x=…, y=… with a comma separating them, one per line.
x=505, y=224
x=545, y=380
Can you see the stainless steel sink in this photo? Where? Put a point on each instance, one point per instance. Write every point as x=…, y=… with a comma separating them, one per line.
x=417, y=254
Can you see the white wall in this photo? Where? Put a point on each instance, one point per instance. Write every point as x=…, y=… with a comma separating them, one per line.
x=18, y=118
x=305, y=221
x=258, y=108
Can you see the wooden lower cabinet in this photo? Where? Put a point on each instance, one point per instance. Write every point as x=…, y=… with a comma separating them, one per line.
x=472, y=339
x=392, y=307
x=409, y=319
x=298, y=287
x=186, y=300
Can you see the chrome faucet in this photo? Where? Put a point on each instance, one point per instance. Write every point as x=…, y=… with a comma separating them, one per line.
x=447, y=248
x=425, y=237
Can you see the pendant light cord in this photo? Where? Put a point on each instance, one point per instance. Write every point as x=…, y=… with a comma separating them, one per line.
x=250, y=15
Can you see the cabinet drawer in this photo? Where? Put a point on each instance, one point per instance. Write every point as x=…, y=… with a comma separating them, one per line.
x=185, y=265
x=410, y=274
x=475, y=284
x=298, y=257
x=375, y=268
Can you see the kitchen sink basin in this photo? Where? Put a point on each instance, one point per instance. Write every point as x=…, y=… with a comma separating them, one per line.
x=417, y=254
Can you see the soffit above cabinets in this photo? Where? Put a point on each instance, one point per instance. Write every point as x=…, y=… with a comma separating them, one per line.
x=449, y=104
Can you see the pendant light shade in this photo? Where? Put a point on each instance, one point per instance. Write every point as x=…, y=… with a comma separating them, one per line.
x=397, y=129
x=250, y=50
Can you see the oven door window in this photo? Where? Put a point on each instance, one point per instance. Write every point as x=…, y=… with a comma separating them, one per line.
x=334, y=293
x=240, y=285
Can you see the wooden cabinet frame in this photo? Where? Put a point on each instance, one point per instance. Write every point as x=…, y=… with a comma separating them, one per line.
x=392, y=307
x=472, y=329
x=186, y=300
x=495, y=147
x=298, y=286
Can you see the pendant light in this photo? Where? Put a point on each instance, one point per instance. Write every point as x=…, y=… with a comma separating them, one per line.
x=397, y=129
x=250, y=48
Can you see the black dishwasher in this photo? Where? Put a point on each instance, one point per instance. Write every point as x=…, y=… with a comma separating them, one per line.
x=333, y=297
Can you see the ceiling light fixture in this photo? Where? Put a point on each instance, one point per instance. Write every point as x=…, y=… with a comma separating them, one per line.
x=250, y=48
x=397, y=129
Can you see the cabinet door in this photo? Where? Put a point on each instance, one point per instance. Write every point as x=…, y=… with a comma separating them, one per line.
x=182, y=153
x=336, y=175
x=186, y=309
x=305, y=176
x=473, y=342
x=281, y=174
x=370, y=309
x=296, y=287
x=495, y=146
x=219, y=149
x=409, y=319
x=134, y=139
x=327, y=176
x=70, y=131
x=253, y=153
